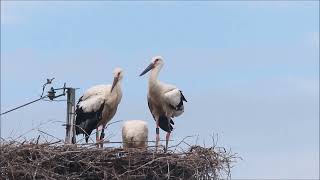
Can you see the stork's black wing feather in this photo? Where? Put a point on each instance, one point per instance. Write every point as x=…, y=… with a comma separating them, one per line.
x=182, y=97
x=86, y=122
x=163, y=120
x=179, y=106
x=80, y=99
x=150, y=108
x=164, y=123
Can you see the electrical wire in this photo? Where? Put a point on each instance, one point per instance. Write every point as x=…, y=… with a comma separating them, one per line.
x=49, y=81
x=23, y=105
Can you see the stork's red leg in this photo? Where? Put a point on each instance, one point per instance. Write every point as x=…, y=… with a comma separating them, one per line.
x=102, y=136
x=97, y=137
x=167, y=140
x=157, y=136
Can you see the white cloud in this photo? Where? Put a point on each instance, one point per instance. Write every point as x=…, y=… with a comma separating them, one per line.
x=9, y=13
x=279, y=165
x=315, y=39
x=307, y=85
x=277, y=4
x=10, y=19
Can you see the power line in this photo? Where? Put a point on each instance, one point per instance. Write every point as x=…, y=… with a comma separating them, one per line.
x=23, y=105
x=51, y=96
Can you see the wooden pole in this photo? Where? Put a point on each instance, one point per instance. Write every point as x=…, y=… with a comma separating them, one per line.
x=70, y=128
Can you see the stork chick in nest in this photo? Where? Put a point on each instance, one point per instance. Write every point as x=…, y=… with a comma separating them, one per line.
x=135, y=134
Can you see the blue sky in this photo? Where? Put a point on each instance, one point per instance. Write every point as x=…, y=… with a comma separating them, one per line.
x=249, y=70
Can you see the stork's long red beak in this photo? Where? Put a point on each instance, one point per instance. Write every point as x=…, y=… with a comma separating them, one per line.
x=151, y=66
x=115, y=81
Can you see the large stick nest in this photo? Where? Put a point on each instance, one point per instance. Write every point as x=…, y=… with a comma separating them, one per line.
x=57, y=161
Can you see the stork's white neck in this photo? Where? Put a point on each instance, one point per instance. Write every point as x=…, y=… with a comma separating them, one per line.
x=117, y=93
x=117, y=87
x=153, y=80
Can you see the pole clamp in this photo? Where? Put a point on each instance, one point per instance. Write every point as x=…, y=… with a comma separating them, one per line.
x=157, y=130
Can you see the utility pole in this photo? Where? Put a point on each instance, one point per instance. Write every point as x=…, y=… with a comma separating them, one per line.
x=70, y=126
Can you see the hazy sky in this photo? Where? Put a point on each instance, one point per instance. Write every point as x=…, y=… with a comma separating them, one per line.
x=249, y=70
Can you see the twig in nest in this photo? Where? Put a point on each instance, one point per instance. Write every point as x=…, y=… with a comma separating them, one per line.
x=58, y=161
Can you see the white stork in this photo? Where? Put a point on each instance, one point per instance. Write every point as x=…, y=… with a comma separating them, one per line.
x=97, y=107
x=165, y=101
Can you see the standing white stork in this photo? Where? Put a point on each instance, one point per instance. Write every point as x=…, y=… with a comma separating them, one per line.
x=97, y=107
x=165, y=101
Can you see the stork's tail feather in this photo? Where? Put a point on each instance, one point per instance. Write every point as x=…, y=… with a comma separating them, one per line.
x=86, y=126
x=85, y=123
x=164, y=123
x=87, y=138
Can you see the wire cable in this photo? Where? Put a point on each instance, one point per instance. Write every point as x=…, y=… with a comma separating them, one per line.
x=23, y=105
x=49, y=81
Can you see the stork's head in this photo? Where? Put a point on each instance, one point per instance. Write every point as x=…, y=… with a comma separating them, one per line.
x=156, y=62
x=118, y=75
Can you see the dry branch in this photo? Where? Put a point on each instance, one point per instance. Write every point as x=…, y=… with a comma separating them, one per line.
x=54, y=160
